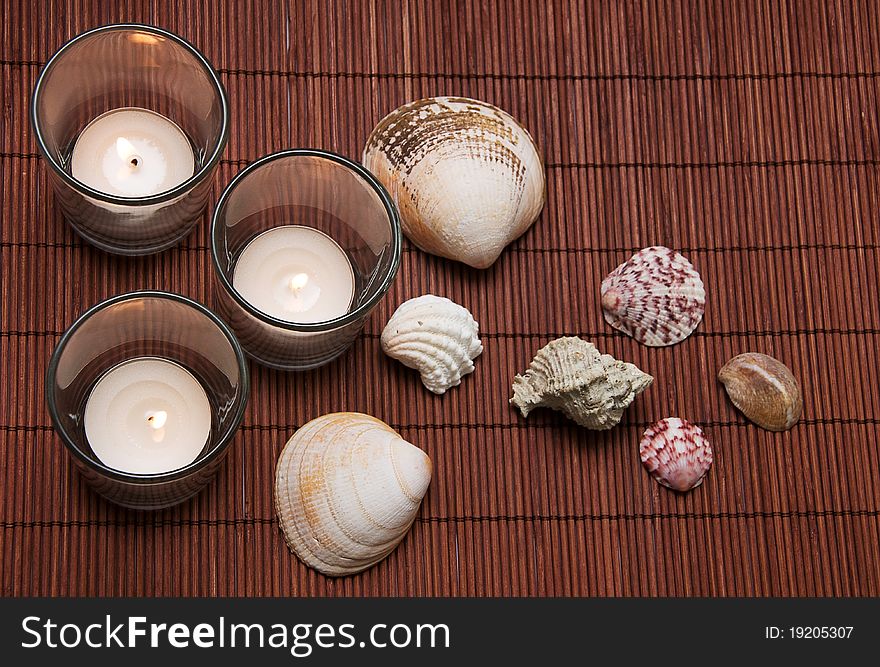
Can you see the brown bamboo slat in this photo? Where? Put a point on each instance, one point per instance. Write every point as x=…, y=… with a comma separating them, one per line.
x=745, y=134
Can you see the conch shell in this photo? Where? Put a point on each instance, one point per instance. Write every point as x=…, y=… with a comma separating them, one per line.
x=676, y=453
x=571, y=375
x=465, y=175
x=347, y=489
x=656, y=296
x=437, y=337
x=763, y=389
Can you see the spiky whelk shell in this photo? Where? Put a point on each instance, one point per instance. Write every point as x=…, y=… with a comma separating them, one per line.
x=347, y=489
x=465, y=175
x=656, y=296
x=676, y=453
x=572, y=376
x=437, y=337
x=763, y=389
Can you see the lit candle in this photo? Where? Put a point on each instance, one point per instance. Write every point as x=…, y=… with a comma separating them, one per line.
x=147, y=415
x=132, y=153
x=296, y=274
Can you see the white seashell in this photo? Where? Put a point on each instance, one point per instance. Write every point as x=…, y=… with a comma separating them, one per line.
x=571, y=375
x=435, y=336
x=657, y=297
x=676, y=453
x=465, y=175
x=347, y=489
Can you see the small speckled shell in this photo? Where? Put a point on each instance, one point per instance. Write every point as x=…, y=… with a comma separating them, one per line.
x=763, y=389
x=572, y=376
x=676, y=453
x=656, y=296
x=437, y=337
x=347, y=489
x=464, y=174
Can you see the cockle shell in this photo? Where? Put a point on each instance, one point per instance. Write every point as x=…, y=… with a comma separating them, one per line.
x=437, y=337
x=571, y=375
x=347, y=489
x=763, y=389
x=656, y=296
x=465, y=175
x=676, y=453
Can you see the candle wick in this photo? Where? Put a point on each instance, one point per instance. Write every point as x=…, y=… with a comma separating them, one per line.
x=157, y=419
x=126, y=151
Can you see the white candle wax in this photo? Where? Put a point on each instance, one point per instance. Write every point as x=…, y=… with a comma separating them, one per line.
x=296, y=274
x=147, y=415
x=132, y=153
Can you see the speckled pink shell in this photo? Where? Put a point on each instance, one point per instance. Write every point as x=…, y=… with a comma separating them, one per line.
x=676, y=453
x=657, y=297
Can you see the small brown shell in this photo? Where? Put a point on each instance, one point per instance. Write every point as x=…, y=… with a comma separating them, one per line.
x=676, y=453
x=763, y=389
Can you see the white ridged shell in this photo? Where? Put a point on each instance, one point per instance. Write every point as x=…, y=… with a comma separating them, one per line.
x=347, y=489
x=571, y=375
x=465, y=175
x=656, y=296
x=437, y=337
x=676, y=453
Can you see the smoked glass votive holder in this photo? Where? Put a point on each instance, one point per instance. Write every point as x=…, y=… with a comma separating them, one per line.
x=335, y=199
x=155, y=326
x=131, y=68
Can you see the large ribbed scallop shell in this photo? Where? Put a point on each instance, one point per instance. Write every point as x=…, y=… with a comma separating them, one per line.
x=764, y=390
x=437, y=337
x=571, y=375
x=676, y=453
x=347, y=489
x=465, y=175
x=657, y=297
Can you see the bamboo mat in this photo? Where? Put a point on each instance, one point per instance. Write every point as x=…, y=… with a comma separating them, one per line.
x=744, y=134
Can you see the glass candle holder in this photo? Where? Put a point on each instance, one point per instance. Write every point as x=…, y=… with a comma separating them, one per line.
x=121, y=107
x=293, y=236
x=88, y=370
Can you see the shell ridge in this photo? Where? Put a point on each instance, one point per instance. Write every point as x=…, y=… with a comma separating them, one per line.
x=369, y=517
x=413, y=353
x=303, y=539
x=409, y=493
x=656, y=296
x=435, y=336
x=320, y=537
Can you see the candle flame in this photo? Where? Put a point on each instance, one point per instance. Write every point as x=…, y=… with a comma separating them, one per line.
x=299, y=281
x=126, y=151
x=157, y=419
